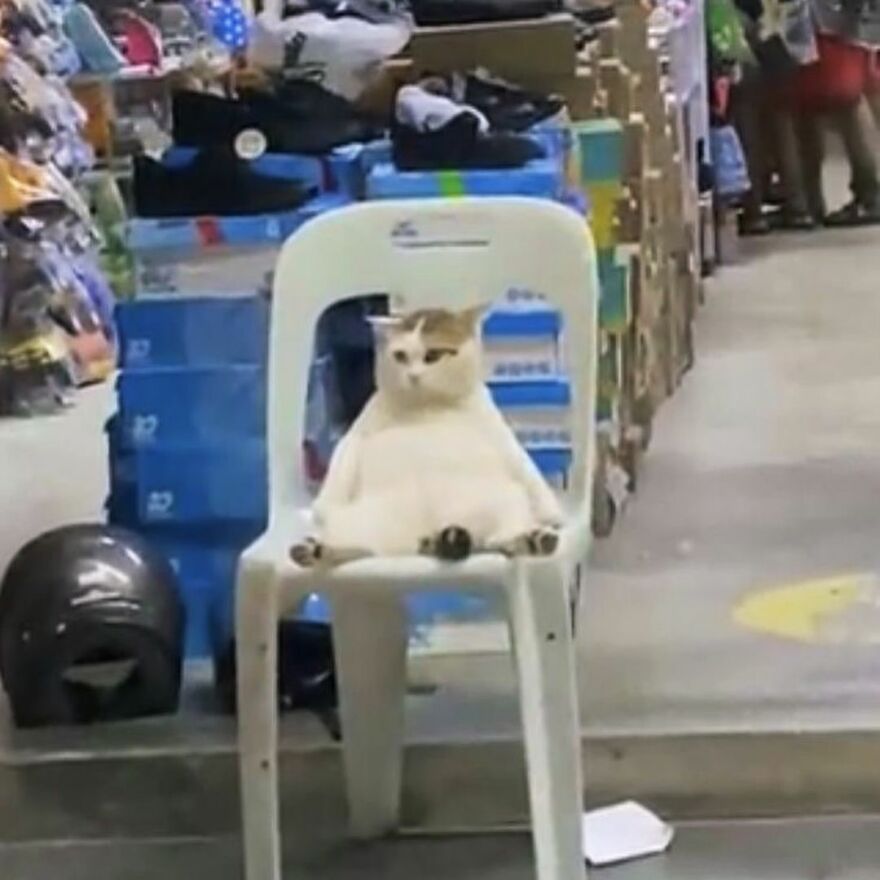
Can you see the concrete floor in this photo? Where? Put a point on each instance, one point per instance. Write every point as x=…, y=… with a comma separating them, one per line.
x=829, y=849
x=763, y=471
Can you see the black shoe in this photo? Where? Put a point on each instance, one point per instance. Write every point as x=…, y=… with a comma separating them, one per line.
x=595, y=15
x=215, y=183
x=507, y=107
x=854, y=213
x=460, y=145
x=307, y=119
x=373, y=11
x=443, y=12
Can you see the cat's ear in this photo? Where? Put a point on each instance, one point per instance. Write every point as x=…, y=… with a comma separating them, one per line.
x=472, y=318
x=384, y=325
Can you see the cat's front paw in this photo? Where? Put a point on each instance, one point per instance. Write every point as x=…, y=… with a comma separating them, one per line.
x=452, y=544
x=542, y=541
x=308, y=553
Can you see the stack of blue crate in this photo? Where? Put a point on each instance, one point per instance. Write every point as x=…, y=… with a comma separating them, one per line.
x=187, y=442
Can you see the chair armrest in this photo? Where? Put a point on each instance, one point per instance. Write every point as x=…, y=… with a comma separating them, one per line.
x=271, y=550
x=576, y=536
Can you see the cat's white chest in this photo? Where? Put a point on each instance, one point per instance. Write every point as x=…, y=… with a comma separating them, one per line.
x=418, y=451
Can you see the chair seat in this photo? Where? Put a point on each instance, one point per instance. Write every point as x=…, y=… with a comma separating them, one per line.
x=401, y=574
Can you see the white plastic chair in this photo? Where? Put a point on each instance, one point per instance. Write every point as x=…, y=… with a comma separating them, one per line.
x=440, y=253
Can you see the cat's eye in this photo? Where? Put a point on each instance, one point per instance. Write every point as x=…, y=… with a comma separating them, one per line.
x=400, y=357
x=432, y=355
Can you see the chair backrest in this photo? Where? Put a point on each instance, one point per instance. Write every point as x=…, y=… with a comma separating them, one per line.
x=440, y=253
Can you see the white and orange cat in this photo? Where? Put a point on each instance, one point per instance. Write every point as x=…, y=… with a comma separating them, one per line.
x=430, y=466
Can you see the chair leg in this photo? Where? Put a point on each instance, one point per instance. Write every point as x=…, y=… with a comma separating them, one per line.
x=369, y=637
x=257, y=670
x=542, y=635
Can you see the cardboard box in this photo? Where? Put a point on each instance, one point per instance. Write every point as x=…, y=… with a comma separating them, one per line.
x=620, y=87
x=513, y=49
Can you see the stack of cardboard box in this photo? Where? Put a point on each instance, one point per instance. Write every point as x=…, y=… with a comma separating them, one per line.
x=634, y=161
x=648, y=235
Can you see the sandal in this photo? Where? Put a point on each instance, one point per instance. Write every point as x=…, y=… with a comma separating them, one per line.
x=854, y=214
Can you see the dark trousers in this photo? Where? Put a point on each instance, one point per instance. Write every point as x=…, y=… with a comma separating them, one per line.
x=855, y=123
x=769, y=140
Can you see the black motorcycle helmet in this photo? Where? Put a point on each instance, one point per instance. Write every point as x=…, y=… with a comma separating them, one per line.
x=91, y=628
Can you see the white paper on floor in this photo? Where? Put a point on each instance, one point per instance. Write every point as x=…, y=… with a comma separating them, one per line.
x=623, y=832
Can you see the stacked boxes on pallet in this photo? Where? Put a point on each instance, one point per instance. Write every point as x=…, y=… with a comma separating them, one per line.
x=187, y=444
x=600, y=150
x=187, y=453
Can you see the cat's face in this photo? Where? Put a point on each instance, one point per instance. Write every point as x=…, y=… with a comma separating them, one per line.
x=429, y=356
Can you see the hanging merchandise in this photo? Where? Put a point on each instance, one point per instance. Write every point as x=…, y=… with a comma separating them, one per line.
x=56, y=328
x=342, y=54
x=229, y=24
x=728, y=162
x=727, y=37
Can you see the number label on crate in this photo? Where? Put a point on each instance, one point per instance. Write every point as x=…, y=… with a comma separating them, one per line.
x=145, y=428
x=138, y=350
x=160, y=504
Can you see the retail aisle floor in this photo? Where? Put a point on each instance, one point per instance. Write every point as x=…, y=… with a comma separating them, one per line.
x=764, y=472
x=53, y=470
x=829, y=849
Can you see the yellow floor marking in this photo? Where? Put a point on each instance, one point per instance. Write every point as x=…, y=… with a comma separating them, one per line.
x=797, y=611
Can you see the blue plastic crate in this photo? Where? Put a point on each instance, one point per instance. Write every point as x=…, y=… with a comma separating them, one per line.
x=309, y=170
x=521, y=323
x=541, y=178
x=206, y=570
x=552, y=461
x=194, y=234
x=538, y=411
x=554, y=392
x=181, y=405
x=347, y=170
x=193, y=331
x=521, y=344
x=191, y=486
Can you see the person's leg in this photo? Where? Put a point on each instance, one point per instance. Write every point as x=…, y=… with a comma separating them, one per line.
x=796, y=213
x=855, y=124
x=872, y=87
x=873, y=99
x=811, y=148
x=746, y=118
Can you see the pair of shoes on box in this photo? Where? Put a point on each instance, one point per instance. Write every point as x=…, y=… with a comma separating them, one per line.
x=216, y=183
x=478, y=128
x=301, y=118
